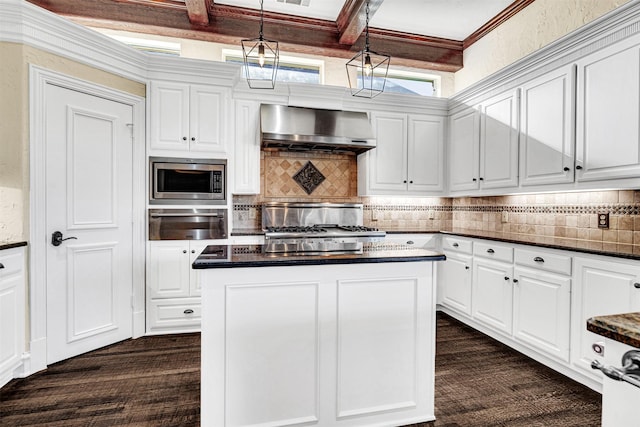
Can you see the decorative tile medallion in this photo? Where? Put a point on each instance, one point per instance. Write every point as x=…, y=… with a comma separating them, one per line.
x=309, y=177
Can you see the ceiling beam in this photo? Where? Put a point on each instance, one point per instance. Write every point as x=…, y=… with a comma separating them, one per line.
x=197, y=11
x=229, y=25
x=496, y=21
x=351, y=20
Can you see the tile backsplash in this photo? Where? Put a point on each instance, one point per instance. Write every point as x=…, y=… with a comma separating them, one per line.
x=560, y=215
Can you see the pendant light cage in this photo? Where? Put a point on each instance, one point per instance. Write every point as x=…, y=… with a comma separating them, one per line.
x=261, y=59
x=367, y=70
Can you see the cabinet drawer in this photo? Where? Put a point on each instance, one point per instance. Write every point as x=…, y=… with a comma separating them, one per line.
x=457, y=244
x=544, y=260
x=183, y=313
x=12, y=261
x=492, y=250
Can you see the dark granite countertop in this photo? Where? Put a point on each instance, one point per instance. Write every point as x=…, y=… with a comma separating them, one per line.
x=253, y=256
x=618, y=250
x=9, y=245
x=624, y=328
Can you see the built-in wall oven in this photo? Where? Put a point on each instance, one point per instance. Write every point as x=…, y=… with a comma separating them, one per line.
x=187, y=181
x=187, y=224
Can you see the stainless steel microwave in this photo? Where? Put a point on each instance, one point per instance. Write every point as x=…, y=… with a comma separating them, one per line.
x=187, y=181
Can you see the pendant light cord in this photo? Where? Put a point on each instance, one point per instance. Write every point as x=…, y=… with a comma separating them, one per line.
x=262, y=19
x=366, y=28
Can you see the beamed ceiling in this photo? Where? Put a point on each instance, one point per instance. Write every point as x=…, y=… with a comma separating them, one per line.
x=223, y=22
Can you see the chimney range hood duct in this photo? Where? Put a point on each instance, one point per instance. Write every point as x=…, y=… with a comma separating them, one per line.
x=308, y=129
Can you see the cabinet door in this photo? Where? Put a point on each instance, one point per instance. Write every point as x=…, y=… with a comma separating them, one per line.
x=169, y=116
x=541, y=310
x=493, y=294
x=195, y=249
x=499, y=142
x=464, y=146
x=425, y=148
x=246, y=161
x=207, y=119
x=602, y=287
x=608, y=113
x=547, y=128
x=12, y=319
x=455, y=281
x=388, y=161
x=168, y=269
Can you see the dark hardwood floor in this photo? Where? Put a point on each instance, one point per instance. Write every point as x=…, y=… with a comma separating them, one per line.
x=155, y=381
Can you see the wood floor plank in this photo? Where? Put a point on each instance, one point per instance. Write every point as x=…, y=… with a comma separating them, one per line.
x=155, y=381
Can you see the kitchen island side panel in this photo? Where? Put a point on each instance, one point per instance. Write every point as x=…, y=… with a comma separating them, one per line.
x=326, y=345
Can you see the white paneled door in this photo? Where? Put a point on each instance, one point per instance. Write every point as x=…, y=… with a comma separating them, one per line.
x=89, y=201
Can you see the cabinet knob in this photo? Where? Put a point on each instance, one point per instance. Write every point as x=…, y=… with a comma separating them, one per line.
x=193, y=138
x=515, y=280
x=566, y=169
x=405, y=181
x=184, y=251
x=578, y=167
x=184, y=138
x=538, y=259
x=410, y=182
x=481, y=179
x=193, y=251
x=188, y=311
x=2, y=266
x=635, y=285
x=506, y=278
x=466, y=267
x=490, y=251
x=474, y=180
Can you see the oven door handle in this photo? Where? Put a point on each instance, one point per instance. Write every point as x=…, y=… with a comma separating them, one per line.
x=164, y=215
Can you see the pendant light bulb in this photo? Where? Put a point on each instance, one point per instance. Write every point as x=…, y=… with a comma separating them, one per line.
x=367, y=65
x=261, y=55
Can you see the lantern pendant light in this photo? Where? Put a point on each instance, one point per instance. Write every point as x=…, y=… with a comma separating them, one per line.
x=367, y=71
x=261, y=58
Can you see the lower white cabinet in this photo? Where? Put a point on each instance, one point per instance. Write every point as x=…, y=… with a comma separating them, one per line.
x=173, y=287
x=12, y=312
x=492, y=294
x=605, y=287
x=455, y=277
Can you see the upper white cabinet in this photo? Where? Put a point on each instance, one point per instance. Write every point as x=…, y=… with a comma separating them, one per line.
x=188, y=118
x=608, y=113
x=483, y=150
x=547, y=128
x=408, y=158
x=246, y=159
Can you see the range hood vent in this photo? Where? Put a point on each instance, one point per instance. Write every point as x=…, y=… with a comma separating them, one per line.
x=308, y=129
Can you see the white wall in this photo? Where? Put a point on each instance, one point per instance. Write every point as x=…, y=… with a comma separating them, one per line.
x=539, y=24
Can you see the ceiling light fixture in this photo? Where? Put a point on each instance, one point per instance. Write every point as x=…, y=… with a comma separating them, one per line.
x=367, y=71
x=261, y=57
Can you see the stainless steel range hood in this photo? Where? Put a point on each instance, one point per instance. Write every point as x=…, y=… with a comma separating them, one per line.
x=308, y=129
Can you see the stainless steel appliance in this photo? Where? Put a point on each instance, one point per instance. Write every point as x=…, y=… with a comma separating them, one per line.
x=310, y=129
x=316, y=228
x=187, y=224
x=187, y=181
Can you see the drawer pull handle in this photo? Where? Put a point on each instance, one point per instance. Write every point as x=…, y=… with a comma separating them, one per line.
x=188, y=311
x=410, y=242
x=2, y=266
x=635, y=285
x=455, y=245
x=538, y=259
x=490, y=251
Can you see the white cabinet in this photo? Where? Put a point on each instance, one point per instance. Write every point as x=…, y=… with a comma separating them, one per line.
x=246, y=159
x=618, y=397
x=173, y=287
x=492, y=295
x=483, y=150
x=603, y=287
x=408, y=158
x=455, y=277
x=12, y=312
x=547, y=128
x=541, y=301
x=608, y=113
x=188, y=118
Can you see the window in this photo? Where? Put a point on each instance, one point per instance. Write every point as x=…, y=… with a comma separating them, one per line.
x=291, y=70
x=412, y=83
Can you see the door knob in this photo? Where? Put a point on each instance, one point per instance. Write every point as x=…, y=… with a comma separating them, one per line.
x=56, y=238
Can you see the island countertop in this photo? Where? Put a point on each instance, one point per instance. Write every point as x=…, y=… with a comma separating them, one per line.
x=624, y=328
x=235, y=256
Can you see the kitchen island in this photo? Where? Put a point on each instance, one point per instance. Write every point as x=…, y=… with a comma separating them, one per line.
x=333, y=340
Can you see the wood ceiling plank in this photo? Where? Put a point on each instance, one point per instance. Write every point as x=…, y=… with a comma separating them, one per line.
x=351, y=20
x=229, y=25
x=197, y=11
x=496, y=21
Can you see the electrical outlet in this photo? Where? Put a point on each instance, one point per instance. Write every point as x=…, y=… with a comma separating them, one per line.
x=505, y=216
x=603, y=220
x=252, y=213
x=374, y=214
x=431, y=214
